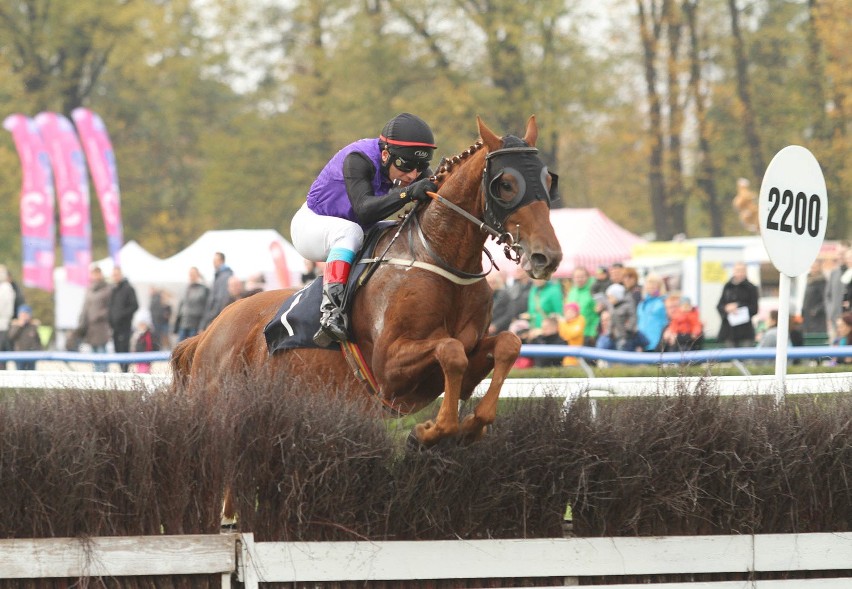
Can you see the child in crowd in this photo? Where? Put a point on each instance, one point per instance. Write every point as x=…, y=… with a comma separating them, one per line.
x=622, y=330
x=547, y=334
x=685, y=330
x=145, y=342
x=23, y=336
x=571, y=329
x=844, y=336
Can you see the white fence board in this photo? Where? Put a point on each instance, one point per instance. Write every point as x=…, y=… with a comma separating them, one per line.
x=774, y=552
x=472, y=559
x=568, y=557
x=457, y=559
x=117, y=556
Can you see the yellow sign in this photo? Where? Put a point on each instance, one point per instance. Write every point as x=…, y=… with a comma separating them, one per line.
x=664, y=249
x=713, y=272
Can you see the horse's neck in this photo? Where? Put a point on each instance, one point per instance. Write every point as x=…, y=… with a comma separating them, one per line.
x=456, y=239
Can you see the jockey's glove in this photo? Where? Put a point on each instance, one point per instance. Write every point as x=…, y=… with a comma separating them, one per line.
x=417, y=190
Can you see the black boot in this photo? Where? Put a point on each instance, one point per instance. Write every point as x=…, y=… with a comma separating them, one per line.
x=333, y=322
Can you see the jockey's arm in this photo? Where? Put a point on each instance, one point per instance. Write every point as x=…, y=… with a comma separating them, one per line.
x=358, y=173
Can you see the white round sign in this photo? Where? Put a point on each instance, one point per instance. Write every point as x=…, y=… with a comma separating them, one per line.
x=793, y=210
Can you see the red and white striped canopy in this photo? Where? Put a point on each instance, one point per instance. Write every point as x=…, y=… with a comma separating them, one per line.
x=588, y=238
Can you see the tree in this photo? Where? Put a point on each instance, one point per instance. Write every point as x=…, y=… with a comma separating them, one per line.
x=753, y=141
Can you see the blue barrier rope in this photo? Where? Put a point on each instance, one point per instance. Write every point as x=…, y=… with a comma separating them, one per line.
x=690, y=357
x=528, y=350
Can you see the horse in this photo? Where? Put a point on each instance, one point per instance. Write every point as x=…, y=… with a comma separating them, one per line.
x=421, y=320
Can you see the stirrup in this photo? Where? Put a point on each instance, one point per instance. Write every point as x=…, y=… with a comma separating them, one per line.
x=330, y=331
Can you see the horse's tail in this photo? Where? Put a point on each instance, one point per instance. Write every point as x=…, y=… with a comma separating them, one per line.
x=181, y=360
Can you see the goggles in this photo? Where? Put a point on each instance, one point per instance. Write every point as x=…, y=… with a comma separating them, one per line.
x=404, y=165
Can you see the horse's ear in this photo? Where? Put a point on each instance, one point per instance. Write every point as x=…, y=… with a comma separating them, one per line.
x=491, y=141
x=532, y=132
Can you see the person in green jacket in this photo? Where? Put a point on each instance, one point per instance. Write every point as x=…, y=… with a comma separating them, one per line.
x=545, y=299
x=581, y=293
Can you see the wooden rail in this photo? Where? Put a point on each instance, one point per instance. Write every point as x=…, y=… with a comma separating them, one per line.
x=825, y=558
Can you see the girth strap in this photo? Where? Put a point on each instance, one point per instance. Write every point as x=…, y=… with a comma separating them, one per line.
x=362, y=372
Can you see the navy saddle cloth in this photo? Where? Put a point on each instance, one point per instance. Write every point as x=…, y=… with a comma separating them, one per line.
x=298, y=319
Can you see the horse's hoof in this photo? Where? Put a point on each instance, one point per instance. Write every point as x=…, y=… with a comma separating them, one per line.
x=414, y=444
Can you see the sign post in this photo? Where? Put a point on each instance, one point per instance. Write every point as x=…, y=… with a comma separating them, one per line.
x=792, y=213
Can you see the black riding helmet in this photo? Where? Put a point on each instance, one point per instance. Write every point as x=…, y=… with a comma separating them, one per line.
x=410, y=142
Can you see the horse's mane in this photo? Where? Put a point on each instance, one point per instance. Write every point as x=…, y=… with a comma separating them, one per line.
x=447, y=164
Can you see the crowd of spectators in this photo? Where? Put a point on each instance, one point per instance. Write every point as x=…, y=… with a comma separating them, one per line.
x=613, y=308
x=606, y=309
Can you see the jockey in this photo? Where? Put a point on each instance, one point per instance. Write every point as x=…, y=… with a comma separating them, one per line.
x=365, y=182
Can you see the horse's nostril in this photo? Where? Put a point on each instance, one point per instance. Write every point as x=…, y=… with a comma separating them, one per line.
x=539, y=260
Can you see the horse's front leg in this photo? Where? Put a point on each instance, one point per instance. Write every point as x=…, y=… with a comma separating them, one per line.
x=498, y=352
x=411, y=358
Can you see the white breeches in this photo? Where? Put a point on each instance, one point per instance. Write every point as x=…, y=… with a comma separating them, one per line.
x=314, y=236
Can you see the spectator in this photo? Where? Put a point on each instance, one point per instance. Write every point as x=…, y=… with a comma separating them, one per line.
x=685, y=330
x=651, y=313
x=605, y=340
x=19, y=293
x=146, y=341
x=161, y=315
x=581, y=293
x=813, y=306
x=23, y=336
x=835, y=289
x=622, y=330
x=769, y=338
x=547, y=335
x=844, y=335
x=602, y=281
x=93, y=327
x=254, y=284
x=572, y=329
x=236, y=289
x=7, y=310
x=846, y=281
x=630, y=280
x=545, y=299
x=219, y=297
x=192, y=306
x=616, y=273
x=737, y=306
x=517, y=291
x=122, y=306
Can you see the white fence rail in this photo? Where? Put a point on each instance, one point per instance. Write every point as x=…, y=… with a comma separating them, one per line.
x=568, y=559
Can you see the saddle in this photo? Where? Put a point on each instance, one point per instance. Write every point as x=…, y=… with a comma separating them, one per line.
x=298, y=319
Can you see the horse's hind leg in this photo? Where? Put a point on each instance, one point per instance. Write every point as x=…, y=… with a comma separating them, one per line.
x=499, y=352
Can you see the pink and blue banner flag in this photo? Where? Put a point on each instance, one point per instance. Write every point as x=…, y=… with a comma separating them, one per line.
x=37, y=203
x=72, y=190
x=102, y=165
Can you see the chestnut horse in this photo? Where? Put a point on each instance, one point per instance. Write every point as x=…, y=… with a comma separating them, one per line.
x=421, y=329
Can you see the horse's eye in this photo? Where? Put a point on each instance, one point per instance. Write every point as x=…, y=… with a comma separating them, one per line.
x=508, y=187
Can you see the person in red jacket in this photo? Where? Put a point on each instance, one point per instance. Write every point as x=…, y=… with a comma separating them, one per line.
x=685, y=330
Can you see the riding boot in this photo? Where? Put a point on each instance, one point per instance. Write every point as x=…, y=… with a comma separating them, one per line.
x=333, y=322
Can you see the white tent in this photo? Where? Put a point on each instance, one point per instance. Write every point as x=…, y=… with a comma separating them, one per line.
x=247, y=252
